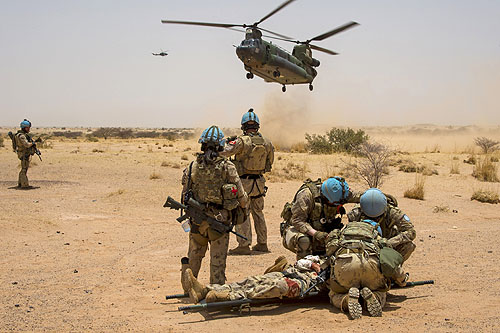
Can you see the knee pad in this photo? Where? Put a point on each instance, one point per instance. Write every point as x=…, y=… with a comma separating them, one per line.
x=303, y=243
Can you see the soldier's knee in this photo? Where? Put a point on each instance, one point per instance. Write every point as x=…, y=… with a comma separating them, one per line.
x=304, y=244
x=406, y=250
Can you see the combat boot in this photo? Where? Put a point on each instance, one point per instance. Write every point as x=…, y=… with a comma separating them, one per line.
x=184, y=266
x=280, y=264
x=217, y=296
x=260, y=248
x=353, y=305
x=197, y=291
x=372, y=303
x=240, y=250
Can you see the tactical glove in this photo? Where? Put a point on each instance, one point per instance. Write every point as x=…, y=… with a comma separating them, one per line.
x=320, y=236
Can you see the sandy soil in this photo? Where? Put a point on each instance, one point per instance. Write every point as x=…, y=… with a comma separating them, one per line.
x=93, y=249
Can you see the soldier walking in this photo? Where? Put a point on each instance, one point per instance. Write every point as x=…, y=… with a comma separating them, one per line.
x=213, y=182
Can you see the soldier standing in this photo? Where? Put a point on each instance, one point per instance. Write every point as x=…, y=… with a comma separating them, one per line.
x=212, y=181
x=316, y=210
x=396, y=225
x=253, y=156
x=25, y=147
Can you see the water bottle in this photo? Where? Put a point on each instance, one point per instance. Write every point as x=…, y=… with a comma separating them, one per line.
x=186, y=226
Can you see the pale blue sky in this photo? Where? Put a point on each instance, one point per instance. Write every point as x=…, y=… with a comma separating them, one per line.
x=89, y=63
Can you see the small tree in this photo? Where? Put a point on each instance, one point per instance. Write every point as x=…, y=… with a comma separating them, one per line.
x=318, y=144
x=346, y=140
x=374, y=163
x=487, y=145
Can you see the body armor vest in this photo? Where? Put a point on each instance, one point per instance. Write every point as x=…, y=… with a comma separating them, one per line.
x=252, y=159
x=207, y=181
x=359, y=235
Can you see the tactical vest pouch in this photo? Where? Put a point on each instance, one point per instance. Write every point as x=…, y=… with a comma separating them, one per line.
x=254, y=161
x=230, y=196
x=14, y=142
x=359, y=231
x=286, y=213
x=390, y=260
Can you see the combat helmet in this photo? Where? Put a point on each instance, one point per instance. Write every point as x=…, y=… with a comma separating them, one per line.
x=335, y=190
x=250, y=116
x=373, y=202
x=212, y=136
x=25, y=123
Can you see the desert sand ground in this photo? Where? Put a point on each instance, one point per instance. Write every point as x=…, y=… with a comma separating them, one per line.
x=93, y=249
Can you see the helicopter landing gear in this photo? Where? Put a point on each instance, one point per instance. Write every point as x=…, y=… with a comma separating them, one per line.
x=249, y=75
x=283, y=89
x=311, y=87
x=276, y=73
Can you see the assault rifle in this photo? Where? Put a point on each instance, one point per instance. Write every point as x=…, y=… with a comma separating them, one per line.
x=322, y=277
x=194, y=211
x=412, y=284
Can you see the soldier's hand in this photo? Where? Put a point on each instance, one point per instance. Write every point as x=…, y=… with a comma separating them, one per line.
x=320, y=236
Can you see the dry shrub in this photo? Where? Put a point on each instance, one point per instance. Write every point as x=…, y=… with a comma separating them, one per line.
x=434, y=149
x=428, y=171
x=486, y=145
x=373, y=165
x=417, y=191
x=441, y=209
x=1, y=142
x=485, y=196
x=455, y=158
x=485, y=170
x=97, y=151
x=471, y=160
x=76, y=151
x=408, y=166
x=494, y=159
x=154, y=175
x=184, y=157
x=455, y=168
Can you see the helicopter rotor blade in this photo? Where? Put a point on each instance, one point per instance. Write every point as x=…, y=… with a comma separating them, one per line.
x=205, y=24
x=334, y=31
x=274, y=33
x=283, y=39
x=322, y=49
x=283, y=5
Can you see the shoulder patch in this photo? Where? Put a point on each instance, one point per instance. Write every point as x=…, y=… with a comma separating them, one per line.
x=406, y=217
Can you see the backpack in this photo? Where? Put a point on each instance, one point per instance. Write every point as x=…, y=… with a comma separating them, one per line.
x=14, y=142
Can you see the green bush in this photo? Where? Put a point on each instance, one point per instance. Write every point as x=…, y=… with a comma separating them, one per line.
x=337, y=140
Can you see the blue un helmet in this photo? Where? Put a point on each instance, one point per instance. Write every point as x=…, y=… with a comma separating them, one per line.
x=335, y=189
x=212, y=135
x=373, y=202
x=25, y=123
x=247, y=117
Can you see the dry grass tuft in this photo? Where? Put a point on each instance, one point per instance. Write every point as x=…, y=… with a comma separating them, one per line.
x=455, y=168
x=485, y=196
x=292, y=171
x=184, y=157
x=417, y=191
x=471, y=160
x=485, y=170
x=155, y=175
x=119, y=192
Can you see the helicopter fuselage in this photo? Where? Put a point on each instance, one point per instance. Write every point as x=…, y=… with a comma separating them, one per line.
x=273, y=63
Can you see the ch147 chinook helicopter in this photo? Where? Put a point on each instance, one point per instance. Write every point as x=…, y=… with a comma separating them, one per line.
x=271, y=62
x=161, y=54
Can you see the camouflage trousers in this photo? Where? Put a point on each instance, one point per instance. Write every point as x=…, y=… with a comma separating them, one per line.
x=218, y=254
x=405, y=249
x=291, y=241
x=23, y=174
x=270, y=285
x=255, y=190
x=356, y=270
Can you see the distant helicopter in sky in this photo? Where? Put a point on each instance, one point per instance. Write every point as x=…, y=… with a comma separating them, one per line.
x=271, y=62
x=161, y=54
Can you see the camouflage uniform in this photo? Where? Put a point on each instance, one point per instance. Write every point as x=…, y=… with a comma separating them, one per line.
x=253, y=156
x=355, y=250
x=205, y=181
x=395, y=225
x=25, y=150
x=309, y=212
x=290, y=283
